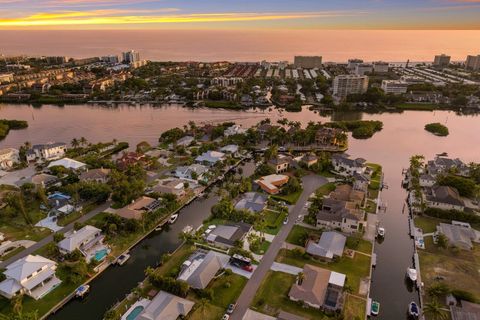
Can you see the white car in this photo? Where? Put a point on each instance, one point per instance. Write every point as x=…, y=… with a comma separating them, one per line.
x=225, y=317
x=285, y=221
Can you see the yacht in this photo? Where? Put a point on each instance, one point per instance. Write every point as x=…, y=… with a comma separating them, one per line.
x=375, y=308
x=412, y=274
x=413, y=309
x=173, y=218
x=381, y=232
x=82, y=291
x=123, y=258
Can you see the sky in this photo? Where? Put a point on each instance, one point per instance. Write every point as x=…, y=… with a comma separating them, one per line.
x=240, y=14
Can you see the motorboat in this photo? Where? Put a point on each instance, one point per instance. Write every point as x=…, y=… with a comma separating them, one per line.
x=381, y=232
x=82, y=291
x=173, y=218
x=412, y=274
x=123, y=258
x=413, y=309
x=375, y=309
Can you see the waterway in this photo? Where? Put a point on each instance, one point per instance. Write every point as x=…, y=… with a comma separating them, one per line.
x=403, y=135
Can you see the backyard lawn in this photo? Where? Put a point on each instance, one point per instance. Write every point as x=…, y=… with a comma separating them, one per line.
x=227, y=289
x=428, y=224
x=273, y=221
x=355, y=269
x=299, y=234
x=354, y=308
x=272, y=297
x=359, y=244
x=289, y=198
x=325, y=189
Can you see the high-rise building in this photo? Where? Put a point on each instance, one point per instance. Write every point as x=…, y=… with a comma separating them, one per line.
x=441, y=60
x=343, y=85
x=363, y=68
x=131, y=56
x=352, y=63
x=394, y=86
x=113, y=59
x=473, y=63
x=380, y=67
x=308, y=62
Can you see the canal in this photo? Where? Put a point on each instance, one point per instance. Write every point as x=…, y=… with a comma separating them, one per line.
x=403, y=135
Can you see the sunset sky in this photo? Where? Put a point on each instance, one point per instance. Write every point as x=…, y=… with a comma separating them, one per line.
x=240, y=14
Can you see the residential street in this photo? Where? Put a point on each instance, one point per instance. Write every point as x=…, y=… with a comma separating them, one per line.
x=49, y=238
x=310, y=184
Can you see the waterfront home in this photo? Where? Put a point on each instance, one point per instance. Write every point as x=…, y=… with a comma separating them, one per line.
x=182, y=142
x=202, y=267
x=442, y=164
x=130, y=159
x=210, y=158
x=343, y=215
x=361, y=181
x=309, y=159
x=280, y=163
x=138, y=208
x=227, y=235
x=443, y=197
x=330, y=245
x=172, y=186
x=192, y=172
x=459, y=234
x=88, y=240
x=230, y=149
x=319, y=288
x=45, y=180
x=346, y=192
x=343, y=165
x=233, y=130
x=95, y=175
x=8, y=158
x=465, y=311
x=272, y=183
x=32, y=275
x=166, y=306
x=427, y=180
x=68, y=163
x=252, y=201
x=46, y=152
x=327, y=136
x=60, y=204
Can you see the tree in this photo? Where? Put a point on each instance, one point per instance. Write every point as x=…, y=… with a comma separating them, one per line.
x=57, y=237
x=435, y=311
x=300, y=278
x=442, y=241
x=75, y=143
x=83, y=141
x=438, y=290
x=466, y=187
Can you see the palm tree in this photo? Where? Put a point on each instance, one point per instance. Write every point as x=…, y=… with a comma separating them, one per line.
x=435, y=311
x=300, y=278
x=27, y=145
x=203, y=306
x=83, y=141
x=75, y=143
x=114, y=141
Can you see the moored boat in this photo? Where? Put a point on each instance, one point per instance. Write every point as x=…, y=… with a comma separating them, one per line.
x=173, y=218
x=375, y=309
x=413, y=309
x=412, y=274
x=82, y=291
x=123, y=258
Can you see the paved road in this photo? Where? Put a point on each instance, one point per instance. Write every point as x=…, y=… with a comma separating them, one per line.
x=49, y=238
x=310, y=184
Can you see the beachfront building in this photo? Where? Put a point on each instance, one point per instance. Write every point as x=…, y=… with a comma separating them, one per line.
x=344, y=165
x=46, y=152
x=68, y=163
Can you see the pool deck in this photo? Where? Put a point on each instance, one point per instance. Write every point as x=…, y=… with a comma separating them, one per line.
x=140, y=303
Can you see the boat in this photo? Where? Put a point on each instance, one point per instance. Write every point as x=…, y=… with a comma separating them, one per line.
x=82, y=291
x=374, y=260
x=412, y=274
x=123, y=258
x=187, y=229
x=158, y=228
x=413, y=309
x=381, y=232
x=375, y=309
x=173, y=218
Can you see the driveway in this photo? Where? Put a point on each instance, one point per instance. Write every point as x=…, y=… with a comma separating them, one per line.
x=14, y=178
x=286, y=268
x=310, y=184
x=49, y=238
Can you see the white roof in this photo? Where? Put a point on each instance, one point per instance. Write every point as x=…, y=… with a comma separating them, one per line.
x=25, y=266
x=337, y=279
x=67, y=163
x=10, y=286
x=74, y=240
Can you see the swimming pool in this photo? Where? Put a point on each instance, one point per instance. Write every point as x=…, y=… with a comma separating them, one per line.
x=101, y=254
x=135, y=312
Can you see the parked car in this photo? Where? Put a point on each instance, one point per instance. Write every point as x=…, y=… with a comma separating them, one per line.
x=285, y=221
x=225, y=317
x=231, y=307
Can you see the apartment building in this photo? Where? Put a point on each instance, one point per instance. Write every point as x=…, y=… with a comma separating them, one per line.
x=343, y=85
x=394, y=86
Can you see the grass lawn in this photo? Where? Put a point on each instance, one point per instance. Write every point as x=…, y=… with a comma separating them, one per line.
x=171, y=266
x=373, y=193
x=272, y=296
x=298, y=234
x=261, y=249
x=209, y=311
x=377, y=174
x=371, y=206
x=354, y=308
x=273, y=221
x=359, y=244
x=417, y=106
x=291, y=198
x=227, y=289
x=460, y=268
x=354, y=269
x=428, y=224
x=325, y=189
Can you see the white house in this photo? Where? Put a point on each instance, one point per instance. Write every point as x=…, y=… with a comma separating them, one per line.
x=343, y=165
x=210, y=157
x=8, y=157
x=192, y=172
x=31, y=275
x=88, y=240
x=47, y=152
x=68, y=163
x=233, y=130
